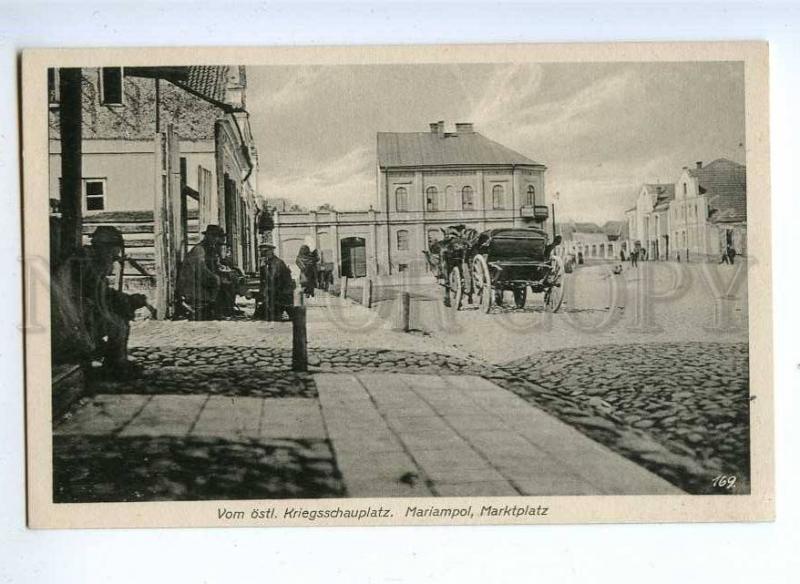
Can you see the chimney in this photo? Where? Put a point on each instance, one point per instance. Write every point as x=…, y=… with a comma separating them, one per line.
x=441, y=127
x=434, y=127
x=465, y=128
x=699, y=164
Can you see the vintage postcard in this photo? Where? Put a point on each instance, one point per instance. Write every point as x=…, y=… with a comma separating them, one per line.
x=398, y=285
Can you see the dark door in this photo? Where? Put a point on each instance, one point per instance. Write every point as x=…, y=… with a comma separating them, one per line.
x=354, y=257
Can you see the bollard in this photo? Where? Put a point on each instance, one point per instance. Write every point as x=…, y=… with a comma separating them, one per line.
x=366, y=294
x=343, y=290
x=299, y=340
x=405, y=312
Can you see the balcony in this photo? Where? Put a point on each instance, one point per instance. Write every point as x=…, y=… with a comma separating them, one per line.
x=535, y=212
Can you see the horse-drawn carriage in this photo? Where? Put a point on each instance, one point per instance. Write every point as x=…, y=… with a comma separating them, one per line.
x=482, y=267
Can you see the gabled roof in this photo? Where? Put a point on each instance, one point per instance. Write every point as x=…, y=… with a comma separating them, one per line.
x=724, y=182
x=663, y=193
x=412, y=149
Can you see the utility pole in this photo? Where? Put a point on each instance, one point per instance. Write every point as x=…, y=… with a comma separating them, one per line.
x=71, y=134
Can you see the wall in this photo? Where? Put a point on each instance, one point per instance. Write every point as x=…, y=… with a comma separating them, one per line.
x=128, y=169
x=136, y=118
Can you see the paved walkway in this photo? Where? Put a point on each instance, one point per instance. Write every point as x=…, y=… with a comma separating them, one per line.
x=391, y=435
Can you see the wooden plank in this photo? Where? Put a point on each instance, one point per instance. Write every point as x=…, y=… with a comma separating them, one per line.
x=160, y=223
x=124, y=228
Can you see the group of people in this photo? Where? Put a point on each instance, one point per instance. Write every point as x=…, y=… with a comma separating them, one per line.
x=91, y=318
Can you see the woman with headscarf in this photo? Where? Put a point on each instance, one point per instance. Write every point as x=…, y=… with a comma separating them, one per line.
x=307, y=261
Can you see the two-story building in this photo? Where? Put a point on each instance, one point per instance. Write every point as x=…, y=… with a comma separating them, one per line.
x=694, y=218
x=426, y=181
x=180, y=133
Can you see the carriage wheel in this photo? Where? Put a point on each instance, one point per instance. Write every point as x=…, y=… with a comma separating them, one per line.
x=482, y=283
x=456, y=288
x=554, y=295
x=520, y=296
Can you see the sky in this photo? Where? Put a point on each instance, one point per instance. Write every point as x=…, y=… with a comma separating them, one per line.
x=602, y=129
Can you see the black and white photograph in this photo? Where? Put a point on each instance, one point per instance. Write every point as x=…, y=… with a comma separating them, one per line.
x=296, y=281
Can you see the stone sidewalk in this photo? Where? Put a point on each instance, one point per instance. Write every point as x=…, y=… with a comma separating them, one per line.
x=391, y=435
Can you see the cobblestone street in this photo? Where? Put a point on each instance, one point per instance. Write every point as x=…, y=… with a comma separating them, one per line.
x=218, y=410
x=218, y=414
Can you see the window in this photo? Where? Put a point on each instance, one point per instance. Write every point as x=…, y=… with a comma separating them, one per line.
x=402, y=240
x=467, y=198
x=497, y=197
x=530, y=196
x=94, y=194
x=402, y=267
x=401, y=199
x=684, y=188
x=432, y=199
x=111, y=85
x=53, y=89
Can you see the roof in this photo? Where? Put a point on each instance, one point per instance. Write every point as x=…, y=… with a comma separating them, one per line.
x=614, y=227
x=412, y=149
x=663, y=193
x=724, y=182
x=207, y=82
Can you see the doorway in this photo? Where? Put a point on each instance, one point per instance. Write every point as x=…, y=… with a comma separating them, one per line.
x=354, y=257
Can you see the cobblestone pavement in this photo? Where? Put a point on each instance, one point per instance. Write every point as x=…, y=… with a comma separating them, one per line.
x=686, y=427
x=681, y=410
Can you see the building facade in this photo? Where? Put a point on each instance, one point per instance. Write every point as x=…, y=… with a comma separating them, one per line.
x=133, y=121
x=426, y=181
x=695, y=218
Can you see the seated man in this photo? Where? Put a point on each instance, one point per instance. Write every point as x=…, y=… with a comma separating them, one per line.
x=198, y=279
x=100, y=327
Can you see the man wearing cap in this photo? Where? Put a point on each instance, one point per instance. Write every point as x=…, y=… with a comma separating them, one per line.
x=276, y=285
x=100, y=327
x=198, y=278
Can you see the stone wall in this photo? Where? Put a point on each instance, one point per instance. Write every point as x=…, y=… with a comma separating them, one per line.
x=135, y=119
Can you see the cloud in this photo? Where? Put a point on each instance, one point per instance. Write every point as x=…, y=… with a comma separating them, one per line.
x=513, y=106
x=346, y=182
x=300, y=85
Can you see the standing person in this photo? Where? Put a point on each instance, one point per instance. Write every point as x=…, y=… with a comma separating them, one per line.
x=99, y=326
x=198, y=280
x=622, y=255
x=731, y=253
x=635, y=258
x=307, y=261
x=276, y=285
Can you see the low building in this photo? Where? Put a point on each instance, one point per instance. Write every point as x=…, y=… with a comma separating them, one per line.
x=426, y=182
x=589, y=240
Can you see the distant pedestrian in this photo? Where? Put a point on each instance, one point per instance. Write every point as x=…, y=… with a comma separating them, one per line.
x=307, y=261
x=731, y=252
x=635, y=258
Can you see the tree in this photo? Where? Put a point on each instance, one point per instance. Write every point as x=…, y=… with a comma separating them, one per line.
x=325, y=207
x=265, y=220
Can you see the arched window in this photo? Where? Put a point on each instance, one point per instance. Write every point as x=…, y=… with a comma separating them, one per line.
x=530, y=196
x=432, y=199
x=497, y=197
x=401, y=199
x=402, y=240
x=467, y=198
